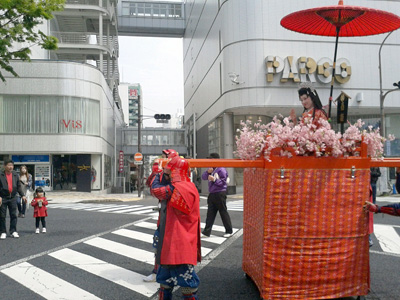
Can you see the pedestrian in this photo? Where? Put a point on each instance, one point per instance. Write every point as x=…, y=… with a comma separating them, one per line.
x=375, y=174
x=216, y=201
x=58, y=179
x=10, y=185
x=178, y=249
x=26, y=181
x=398, y=180
x=391, y=209
x=40, y=203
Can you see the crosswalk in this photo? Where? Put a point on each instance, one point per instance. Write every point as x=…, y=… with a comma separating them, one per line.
x=388, y=238
x=110, y=208
x=120, y=258
x=236, y=205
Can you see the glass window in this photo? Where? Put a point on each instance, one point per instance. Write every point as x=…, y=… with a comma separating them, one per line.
x=179, y=138
x=163, y=10
x=156, y=9
x=392, y=127
x=107, y=171
x=150, y=140
x=147, y=10
x=41, y=114
x=140, y=9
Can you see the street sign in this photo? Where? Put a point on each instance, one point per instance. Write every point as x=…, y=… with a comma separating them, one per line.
x=121, y=161
x=138, y=157
x=140, y=162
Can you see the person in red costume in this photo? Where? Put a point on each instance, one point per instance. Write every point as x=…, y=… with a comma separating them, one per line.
x=179, y=248
x=163, y=179
x=391, y=209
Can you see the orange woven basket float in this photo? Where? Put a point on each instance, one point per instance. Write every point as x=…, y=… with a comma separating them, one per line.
x=305, y=235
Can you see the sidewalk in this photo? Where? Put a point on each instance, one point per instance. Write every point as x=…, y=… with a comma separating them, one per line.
x=395, y=198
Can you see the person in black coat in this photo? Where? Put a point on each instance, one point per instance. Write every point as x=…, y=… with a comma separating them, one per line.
x=10, y=185
x=375, y=174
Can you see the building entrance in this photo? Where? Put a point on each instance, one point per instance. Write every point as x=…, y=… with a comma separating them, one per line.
x=64, y=172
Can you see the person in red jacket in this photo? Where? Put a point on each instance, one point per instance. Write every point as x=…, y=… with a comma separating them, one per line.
x=178, y=249
x=40, y=209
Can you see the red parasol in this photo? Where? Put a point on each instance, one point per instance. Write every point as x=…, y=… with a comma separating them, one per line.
x=341, y=20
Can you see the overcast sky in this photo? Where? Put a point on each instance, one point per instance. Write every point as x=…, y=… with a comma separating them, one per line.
x=157, y=64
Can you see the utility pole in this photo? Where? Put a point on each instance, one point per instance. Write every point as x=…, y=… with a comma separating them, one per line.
x=139, y=167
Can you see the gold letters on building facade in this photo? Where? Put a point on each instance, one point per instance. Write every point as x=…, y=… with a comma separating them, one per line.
x=304, y=69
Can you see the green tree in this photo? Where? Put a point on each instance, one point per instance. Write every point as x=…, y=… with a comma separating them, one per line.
x=18, y=21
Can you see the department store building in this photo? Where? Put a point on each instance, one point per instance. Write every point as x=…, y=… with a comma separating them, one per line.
x=60, y=116
x=241, y=64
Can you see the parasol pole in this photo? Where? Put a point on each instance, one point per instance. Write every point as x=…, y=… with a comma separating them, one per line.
x=333, y=71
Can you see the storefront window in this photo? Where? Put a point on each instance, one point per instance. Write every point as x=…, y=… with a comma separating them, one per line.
x=392, y=127
x=34, y=114
x=107, y=171
x=215, y=136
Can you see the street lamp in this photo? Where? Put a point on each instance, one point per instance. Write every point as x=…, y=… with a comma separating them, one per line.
x=381, y=93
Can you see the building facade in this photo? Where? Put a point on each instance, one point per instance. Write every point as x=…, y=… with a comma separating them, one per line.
x=131, y=97
x=60, y=116
x=241, y=64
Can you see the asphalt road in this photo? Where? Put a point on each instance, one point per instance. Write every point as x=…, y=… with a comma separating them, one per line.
x=83, y=239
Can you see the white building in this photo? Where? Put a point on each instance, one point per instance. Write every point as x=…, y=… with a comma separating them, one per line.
x=59, y=117
x=240, y=63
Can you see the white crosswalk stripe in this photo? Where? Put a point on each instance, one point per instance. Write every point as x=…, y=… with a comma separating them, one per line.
x=121, y=249
x=109, y=208
x=236, y=205
x=389, y=239
x=116, y=274
x=46, y=284
x=133, y=249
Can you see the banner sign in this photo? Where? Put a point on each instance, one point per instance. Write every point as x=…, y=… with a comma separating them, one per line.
x=121, y=161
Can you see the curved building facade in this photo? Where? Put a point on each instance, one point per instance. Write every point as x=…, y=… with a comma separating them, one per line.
x=240, y=63
x=57, y=118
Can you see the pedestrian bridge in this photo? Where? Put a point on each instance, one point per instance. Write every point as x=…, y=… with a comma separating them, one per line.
x=151, y=18
x=153, y=141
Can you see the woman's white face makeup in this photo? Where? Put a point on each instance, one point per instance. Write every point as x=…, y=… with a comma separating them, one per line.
x=306, y=101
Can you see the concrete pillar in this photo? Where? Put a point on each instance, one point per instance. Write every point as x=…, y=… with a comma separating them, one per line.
x=101, y=40
x=227, y=151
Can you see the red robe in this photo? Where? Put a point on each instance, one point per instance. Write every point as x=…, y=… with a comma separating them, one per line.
x=181, y=244
x=39, y=211
x=319, y=114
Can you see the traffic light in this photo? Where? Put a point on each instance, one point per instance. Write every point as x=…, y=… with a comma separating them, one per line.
x=162, y=118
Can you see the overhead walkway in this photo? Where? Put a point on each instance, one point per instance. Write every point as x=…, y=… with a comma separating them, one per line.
x=153, y=141
x=151, y=18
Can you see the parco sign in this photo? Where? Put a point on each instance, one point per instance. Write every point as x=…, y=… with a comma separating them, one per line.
x=304, y=69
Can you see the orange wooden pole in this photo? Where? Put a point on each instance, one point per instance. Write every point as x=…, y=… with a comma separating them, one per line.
x=299, y=163
x=386, y=162
x=227, y=163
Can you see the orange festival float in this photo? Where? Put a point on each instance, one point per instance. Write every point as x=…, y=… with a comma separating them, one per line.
x=305, y=235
